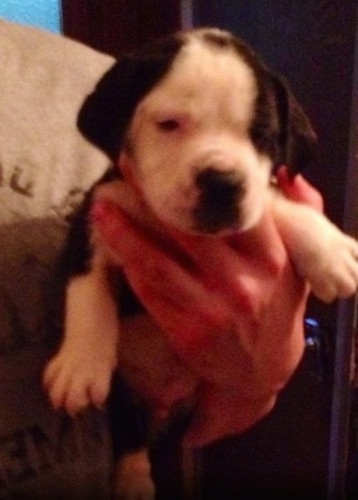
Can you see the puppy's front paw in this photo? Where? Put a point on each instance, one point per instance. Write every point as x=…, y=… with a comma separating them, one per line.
x=132, y=477
x=336, y=274
x=76, y=378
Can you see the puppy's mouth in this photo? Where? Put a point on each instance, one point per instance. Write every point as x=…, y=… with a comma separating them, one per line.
x=217, y=209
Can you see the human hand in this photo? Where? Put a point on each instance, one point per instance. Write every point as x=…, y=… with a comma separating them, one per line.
x=240, y=329
x=298, y=189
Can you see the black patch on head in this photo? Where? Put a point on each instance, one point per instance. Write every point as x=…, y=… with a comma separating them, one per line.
x=106, y=113
x=280, y=128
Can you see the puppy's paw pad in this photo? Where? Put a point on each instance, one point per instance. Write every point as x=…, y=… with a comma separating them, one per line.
x=74, y=382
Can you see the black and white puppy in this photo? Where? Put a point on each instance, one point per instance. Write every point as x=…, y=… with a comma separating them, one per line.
x=198, y=124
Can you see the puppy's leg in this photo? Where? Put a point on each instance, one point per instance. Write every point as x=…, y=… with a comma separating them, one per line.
x=321, y=253
x=80, y=373
x=132, y=477
x=130, y=418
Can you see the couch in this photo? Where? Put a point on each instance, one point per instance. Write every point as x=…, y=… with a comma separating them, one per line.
x=45, y=166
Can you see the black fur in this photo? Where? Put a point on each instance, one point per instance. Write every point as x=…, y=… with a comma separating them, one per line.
x=106, y=113
x=297, y=139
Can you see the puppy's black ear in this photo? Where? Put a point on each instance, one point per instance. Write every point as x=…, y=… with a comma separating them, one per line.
x=297, y=139
x=106, y=113
x=101, y=117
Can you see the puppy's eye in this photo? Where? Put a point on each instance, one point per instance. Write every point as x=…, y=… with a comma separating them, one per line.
x=169, y=125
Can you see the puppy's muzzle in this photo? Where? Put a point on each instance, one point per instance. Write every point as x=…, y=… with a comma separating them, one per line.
x=218, y=205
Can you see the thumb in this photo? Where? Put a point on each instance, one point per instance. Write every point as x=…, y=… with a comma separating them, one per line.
x=298, y=189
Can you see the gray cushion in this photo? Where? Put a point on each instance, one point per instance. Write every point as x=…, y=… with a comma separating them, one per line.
x=45, y=166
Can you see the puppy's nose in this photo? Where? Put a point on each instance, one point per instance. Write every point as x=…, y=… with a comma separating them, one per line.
x=220, y=192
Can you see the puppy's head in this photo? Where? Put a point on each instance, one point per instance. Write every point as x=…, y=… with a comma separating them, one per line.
x=198, y=124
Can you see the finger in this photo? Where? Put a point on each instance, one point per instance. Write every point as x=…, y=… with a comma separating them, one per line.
x=158, y=279
x=221, y=412
x=126, y=241
x=298, y=189
x=122, y=195
x=233, y=259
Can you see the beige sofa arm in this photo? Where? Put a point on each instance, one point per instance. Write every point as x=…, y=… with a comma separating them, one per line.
x=45, y=166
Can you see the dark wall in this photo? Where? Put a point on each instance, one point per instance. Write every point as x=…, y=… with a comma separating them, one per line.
x=115, y=26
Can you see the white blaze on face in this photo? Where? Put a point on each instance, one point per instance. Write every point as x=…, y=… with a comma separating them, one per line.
x=198, y=116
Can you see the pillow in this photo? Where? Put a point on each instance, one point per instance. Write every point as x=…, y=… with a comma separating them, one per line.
x=45, y=167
